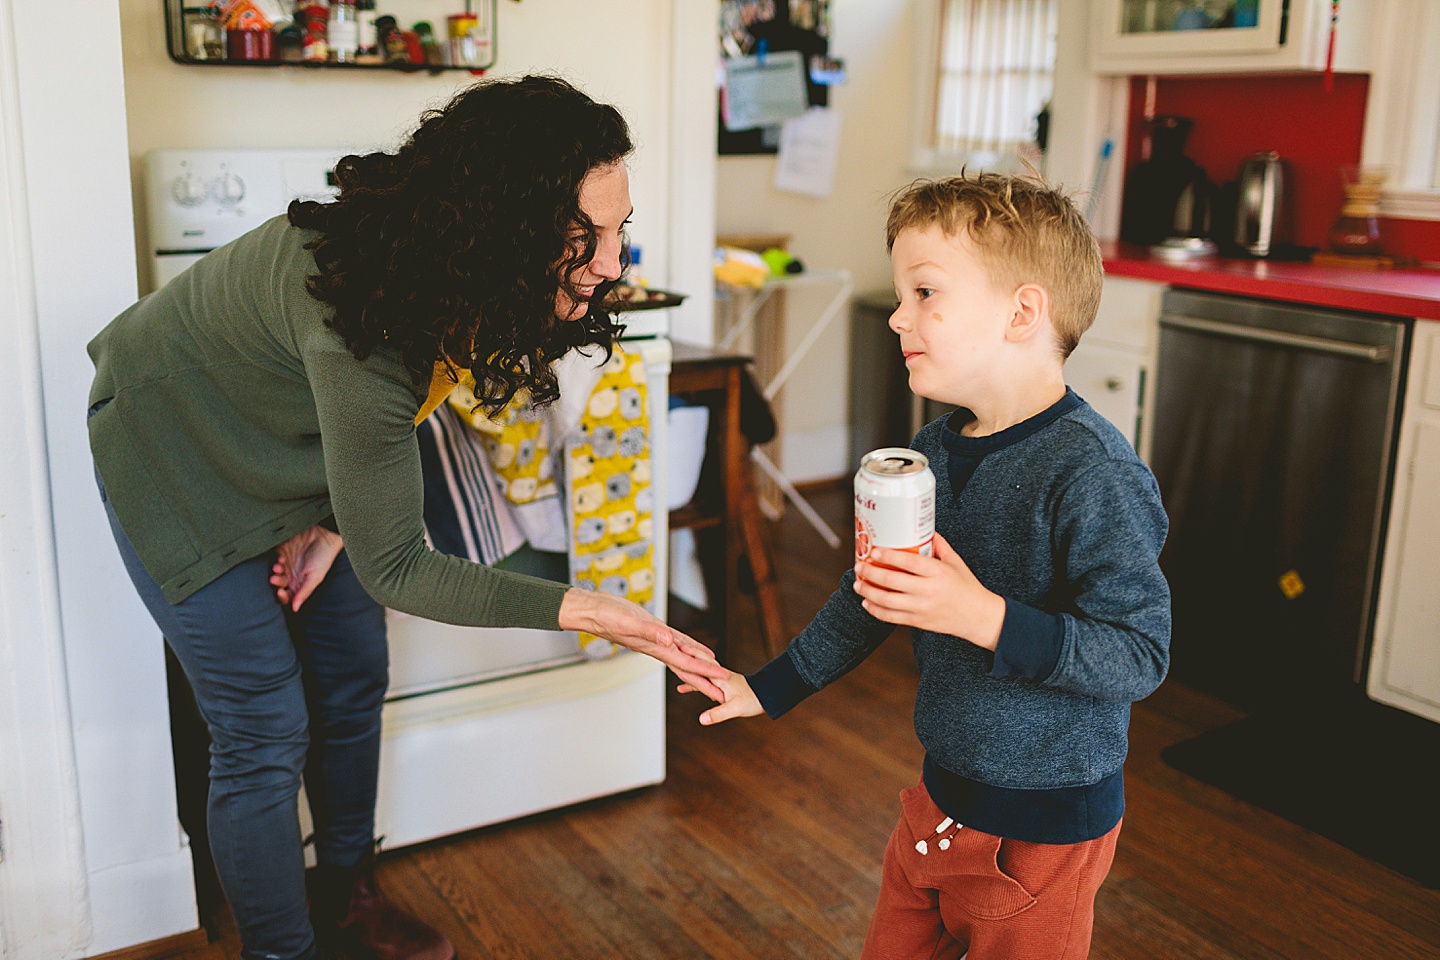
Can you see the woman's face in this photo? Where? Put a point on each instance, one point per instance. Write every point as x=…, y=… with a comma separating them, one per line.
x=605, y=199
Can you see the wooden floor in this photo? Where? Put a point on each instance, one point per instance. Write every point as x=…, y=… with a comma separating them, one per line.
x=765, y=841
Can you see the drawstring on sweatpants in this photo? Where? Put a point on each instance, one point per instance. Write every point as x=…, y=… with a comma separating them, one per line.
x=947, y=824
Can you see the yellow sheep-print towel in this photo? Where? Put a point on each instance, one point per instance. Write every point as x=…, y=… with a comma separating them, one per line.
x=607, y=478
x=515, y=440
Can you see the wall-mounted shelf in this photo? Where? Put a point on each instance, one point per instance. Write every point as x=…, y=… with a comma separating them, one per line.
x=412, y=11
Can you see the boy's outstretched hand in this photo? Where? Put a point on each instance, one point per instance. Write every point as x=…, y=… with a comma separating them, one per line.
x=740, y=700
x=936, y=593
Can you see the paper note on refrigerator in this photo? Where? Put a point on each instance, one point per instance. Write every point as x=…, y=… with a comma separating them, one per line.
x=809, y=149
x=762, y=92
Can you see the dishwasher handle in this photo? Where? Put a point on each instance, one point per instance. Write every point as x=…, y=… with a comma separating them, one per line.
x=1360, y=351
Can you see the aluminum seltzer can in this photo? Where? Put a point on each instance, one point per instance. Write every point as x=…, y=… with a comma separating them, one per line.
x=894, y=502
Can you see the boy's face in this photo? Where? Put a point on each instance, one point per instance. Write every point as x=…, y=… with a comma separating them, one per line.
x=951, y=318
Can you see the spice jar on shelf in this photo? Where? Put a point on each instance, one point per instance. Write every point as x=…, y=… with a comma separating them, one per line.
x=391, y=40
x=368, y=36
x=316, y=18
x=432, y=54
x=461, y=43
x=342, y=31
x=204, y=36
x=258, y=44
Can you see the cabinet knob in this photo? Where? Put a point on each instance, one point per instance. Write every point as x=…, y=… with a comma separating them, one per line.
x=1113, y=383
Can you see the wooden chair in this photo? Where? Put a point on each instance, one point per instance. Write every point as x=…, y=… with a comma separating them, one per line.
x=713, y=377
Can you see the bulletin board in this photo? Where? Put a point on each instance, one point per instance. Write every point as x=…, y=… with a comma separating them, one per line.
x=782, y=25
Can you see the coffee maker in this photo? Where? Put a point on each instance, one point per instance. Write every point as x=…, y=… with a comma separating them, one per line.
x=1169, y=195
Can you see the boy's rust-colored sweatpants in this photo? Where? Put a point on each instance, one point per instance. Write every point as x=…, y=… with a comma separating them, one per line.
x=998, y=899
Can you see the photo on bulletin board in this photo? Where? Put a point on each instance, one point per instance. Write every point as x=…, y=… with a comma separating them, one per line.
x=751, y=33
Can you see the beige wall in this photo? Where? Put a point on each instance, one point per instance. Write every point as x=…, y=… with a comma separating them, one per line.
x=876, y=39
x=617, y=50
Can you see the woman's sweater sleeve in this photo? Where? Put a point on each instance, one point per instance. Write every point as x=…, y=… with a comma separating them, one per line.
x=366, y=412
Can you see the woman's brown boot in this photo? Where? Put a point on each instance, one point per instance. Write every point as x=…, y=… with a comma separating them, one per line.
x=352, y=915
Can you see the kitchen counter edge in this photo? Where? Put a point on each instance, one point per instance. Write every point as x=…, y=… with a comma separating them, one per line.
x=1406, y=293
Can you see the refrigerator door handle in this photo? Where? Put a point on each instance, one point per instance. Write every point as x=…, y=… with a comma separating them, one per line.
x=1360, y=351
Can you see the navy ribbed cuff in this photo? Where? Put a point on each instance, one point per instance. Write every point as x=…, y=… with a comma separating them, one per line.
x=1030, y=642
x=778, y=686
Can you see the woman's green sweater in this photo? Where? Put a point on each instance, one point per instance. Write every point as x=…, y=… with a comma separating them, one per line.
x=237, y=419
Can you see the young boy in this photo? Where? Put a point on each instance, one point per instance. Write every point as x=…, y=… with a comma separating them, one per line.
x=1042, y=614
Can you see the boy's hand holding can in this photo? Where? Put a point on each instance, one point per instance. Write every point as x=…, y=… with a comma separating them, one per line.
x=937, y=593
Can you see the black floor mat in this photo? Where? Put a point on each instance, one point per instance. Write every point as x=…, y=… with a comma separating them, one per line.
x=1359, y=773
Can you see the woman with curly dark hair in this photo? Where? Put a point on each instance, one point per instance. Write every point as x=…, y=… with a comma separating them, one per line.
x=272, y=391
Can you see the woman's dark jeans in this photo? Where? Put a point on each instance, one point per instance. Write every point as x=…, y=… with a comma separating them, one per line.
x=283, y=695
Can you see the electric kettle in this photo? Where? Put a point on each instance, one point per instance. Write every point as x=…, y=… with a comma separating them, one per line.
x=1262, y=211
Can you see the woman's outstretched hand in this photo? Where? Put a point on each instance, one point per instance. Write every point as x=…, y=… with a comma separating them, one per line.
x=301, y=564
x=635, y=628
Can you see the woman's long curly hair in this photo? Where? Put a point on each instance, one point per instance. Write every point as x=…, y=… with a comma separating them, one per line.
x=454, y=247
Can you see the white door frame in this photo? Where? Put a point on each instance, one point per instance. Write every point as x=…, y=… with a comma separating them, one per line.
x=44, y=894
x=693, y=132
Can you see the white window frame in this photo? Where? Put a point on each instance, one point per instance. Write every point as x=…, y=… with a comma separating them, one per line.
x=1402, y=114
x=926, y=160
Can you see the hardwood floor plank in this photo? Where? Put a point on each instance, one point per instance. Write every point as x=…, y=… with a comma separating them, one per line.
x=821, y=868
x=647, y=919
x=1134, y=918
x=781, y=903
x=406, y=881
x=1256, y=884
x=496, y=896
x=661, y=859
x=817, y=799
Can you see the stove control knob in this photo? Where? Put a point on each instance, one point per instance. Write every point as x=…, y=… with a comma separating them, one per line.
x=229, y=189
x=188, y=190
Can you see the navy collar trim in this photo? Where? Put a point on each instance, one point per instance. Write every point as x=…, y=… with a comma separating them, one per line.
x=956, y=442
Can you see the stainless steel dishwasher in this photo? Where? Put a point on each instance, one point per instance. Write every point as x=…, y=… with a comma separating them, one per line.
x=1274, y=435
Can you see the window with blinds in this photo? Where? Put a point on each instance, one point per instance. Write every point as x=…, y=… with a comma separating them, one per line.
x=994, y=73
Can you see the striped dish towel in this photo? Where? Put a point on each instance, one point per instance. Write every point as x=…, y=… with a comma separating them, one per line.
x=465, y=514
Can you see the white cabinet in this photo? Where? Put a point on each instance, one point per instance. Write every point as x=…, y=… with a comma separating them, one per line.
x=1113, y=367
x=1227, y=36
x=1110, y=380
x=1405, y=657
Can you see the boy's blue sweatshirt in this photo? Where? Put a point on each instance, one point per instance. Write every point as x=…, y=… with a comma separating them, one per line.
x=1062, y=519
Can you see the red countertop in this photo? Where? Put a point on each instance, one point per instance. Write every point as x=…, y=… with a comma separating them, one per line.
x=1406, y=293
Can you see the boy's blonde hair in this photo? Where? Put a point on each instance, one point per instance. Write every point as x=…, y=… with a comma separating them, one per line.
x=1024, y=231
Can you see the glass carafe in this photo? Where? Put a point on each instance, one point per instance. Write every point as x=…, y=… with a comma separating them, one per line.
x=1356, y=230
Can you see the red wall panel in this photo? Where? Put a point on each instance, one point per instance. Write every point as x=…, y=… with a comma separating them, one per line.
x=1317, y=130
x=1412, y=238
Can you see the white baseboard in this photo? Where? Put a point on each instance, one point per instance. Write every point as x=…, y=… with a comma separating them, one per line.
x=125, y=916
